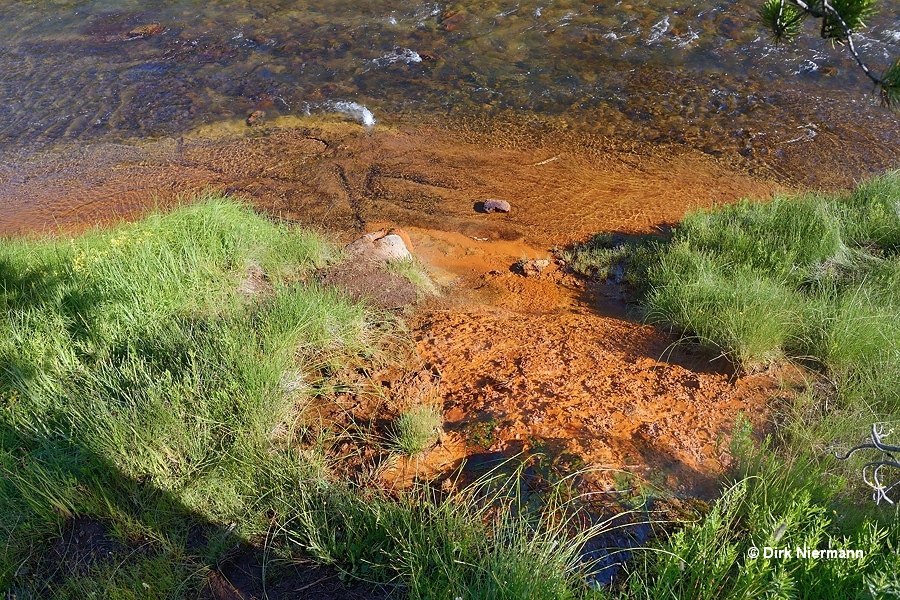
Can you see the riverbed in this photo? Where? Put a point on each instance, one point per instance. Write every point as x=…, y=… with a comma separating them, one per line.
x=102, y=82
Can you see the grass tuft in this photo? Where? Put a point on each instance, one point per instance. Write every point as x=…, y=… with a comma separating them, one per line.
x=414, y=272
x=613, y=257
x=417, y=429
x=483, y=542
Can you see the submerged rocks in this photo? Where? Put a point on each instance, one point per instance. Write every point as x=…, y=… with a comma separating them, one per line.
x=378, y=246
x=136, y=33
x=142, y=31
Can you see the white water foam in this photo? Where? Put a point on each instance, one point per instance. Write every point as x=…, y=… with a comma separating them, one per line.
x=658, y=30
x=399, y=55
x=355, y=111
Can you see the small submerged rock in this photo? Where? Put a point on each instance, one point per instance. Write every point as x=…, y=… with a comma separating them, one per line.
x=137, y=33
x=256, y=118
x=143, y=31
x=493, y=205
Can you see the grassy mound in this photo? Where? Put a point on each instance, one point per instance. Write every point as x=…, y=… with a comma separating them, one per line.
x=140, y=388
x=815, y=280
x=812, y=277
x=150, y=379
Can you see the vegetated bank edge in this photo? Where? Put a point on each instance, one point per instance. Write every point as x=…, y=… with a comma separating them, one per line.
x=812, y=279
x=153, y=376
x=141, y=391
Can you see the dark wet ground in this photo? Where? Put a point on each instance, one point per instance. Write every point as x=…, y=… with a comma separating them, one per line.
x=243, y=576
x=244, y=573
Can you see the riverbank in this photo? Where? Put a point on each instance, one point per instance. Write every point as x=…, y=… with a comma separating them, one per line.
x=163, y=402
x=160, y=428
x=181, y=400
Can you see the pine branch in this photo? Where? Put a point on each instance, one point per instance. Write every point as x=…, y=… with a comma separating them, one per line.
x=784, y=18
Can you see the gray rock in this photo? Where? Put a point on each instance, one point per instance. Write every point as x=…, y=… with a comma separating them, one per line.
x=378, y=246
x=533, y=268
x=493, y=205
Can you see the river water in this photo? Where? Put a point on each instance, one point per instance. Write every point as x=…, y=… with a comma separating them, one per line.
x=699, y=75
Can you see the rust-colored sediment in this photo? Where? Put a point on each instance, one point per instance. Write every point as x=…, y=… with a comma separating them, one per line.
x=537, y=364
x=608, y=392
x=526, y=363
x=341, y=176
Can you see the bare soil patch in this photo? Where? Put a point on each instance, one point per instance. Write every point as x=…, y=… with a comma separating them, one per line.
x=368, y=282
x=548, y=363
x=84, y=543
x=590, y=390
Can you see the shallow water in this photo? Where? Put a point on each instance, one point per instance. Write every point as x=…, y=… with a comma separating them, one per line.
x=694, y=75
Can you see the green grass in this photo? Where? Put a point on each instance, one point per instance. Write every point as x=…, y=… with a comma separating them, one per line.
x=613, y=257
x=414, y=272
x=416, y=429
x=140, y=387
x=780, y=502
x=483, y=542
x=811, y=279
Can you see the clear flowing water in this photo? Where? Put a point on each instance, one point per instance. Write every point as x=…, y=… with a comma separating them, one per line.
x=695, y=74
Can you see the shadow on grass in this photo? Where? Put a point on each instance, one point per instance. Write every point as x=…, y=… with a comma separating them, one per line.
x=128, y=535
x=612, y=267
x=75, y=525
